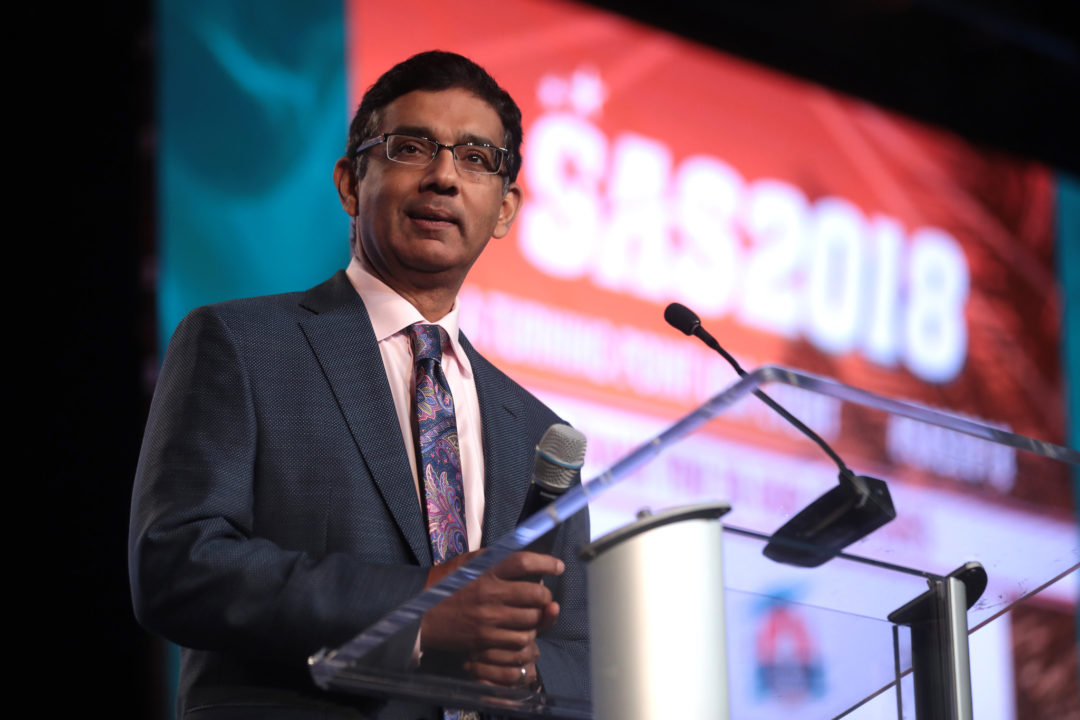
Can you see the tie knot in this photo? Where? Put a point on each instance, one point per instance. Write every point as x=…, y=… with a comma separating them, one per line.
x=427, y=342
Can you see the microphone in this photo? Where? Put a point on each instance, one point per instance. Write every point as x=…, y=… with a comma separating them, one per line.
x=682, y=318
x=855, y=508
x=557, y=465
x=687, y=322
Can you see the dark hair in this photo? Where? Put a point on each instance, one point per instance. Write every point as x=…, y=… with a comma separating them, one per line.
x=437, y=70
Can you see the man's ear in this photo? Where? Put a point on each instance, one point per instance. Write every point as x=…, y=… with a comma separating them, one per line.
x=345, y=181
x=511, y=203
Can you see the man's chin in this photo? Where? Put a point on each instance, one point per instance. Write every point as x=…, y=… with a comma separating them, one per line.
x=434, y=269
x=438, y=255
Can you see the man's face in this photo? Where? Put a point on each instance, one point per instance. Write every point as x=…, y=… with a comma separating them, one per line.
x=422, y=228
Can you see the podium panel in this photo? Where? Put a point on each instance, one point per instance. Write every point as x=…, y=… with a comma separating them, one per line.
x=845, y=637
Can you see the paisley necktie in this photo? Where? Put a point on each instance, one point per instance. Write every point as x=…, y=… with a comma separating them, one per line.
x=440, y=464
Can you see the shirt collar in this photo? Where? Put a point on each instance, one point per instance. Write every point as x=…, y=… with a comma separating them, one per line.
x=390, y=313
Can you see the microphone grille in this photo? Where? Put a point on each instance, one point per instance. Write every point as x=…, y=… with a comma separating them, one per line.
x=559, y=458
x=681, y=318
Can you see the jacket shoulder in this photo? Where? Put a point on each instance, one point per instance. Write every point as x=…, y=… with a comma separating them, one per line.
x=269, y=310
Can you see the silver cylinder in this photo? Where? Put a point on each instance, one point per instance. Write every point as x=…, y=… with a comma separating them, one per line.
x=656, y=611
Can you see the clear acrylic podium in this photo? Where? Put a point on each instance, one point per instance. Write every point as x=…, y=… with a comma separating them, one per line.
x=883, y=627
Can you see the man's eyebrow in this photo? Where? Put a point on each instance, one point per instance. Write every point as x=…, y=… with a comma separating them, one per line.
x=426, y=132
x=476, y=140
x=417, y=130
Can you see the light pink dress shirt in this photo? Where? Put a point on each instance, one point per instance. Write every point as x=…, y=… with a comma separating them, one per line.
x=390, y=315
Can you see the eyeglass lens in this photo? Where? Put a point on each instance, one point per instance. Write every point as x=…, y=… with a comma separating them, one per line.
x=421, y=151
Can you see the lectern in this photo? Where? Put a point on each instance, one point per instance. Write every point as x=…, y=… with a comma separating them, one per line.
x=690, y=616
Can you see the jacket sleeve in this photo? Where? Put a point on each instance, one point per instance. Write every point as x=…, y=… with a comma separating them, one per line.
x=201, y=575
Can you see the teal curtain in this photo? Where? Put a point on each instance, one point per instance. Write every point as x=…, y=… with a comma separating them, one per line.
x=1068, y=262
x=252, y=116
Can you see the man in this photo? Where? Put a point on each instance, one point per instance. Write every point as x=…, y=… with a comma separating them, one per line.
x=281, y=503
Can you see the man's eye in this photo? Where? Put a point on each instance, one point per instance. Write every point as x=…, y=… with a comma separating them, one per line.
x=406, y=149
x=478, y=156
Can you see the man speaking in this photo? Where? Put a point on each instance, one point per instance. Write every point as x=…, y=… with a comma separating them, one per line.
x=313, y=460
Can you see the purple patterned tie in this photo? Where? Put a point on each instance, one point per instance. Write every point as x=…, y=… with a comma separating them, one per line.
x=440, y=464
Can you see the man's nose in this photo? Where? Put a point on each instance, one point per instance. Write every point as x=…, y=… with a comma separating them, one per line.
x=442, y=173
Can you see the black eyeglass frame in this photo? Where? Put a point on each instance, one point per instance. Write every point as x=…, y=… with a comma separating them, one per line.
x=502, y=156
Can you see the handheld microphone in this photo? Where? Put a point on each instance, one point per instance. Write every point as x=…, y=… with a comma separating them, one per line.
x=557, y=466
x=855, y=508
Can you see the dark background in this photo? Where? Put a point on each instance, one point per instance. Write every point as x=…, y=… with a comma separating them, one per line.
x=1002, y=72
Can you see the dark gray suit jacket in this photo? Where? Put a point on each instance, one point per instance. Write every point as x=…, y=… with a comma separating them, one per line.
x=274, y=511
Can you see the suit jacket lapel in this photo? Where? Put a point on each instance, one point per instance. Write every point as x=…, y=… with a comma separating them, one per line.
x=507, y=466
x=342, y=339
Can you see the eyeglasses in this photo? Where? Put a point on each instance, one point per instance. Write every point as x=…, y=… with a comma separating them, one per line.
x=478, y=158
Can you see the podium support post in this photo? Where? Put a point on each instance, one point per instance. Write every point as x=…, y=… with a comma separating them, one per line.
x=939, y=643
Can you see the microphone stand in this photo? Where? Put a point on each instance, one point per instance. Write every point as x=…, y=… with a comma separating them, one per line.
x=856, y=507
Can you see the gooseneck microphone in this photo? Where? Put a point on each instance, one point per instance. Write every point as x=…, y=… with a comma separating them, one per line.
x=685, y=320
x=855, y=508
x=556, y=466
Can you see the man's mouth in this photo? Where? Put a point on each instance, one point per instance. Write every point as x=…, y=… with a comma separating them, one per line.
x=432, y=217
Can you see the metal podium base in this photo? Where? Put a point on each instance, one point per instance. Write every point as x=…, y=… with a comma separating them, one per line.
x=656, y=610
